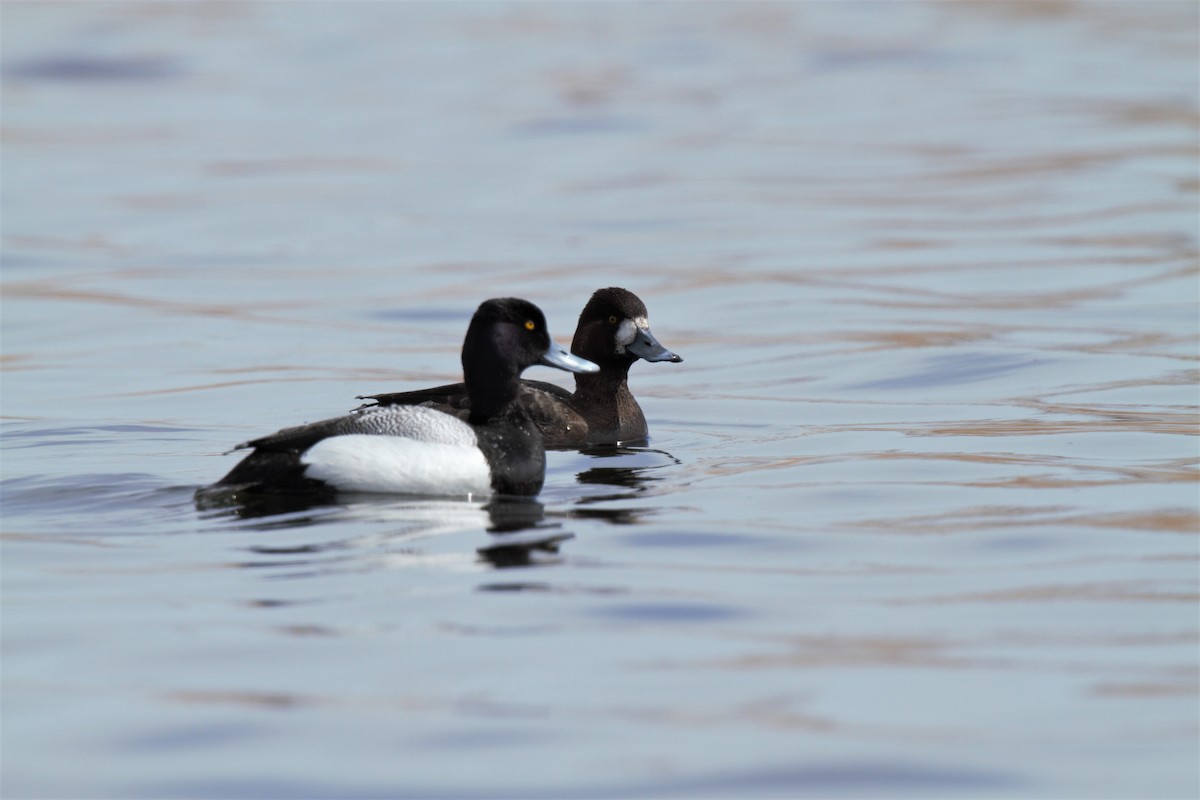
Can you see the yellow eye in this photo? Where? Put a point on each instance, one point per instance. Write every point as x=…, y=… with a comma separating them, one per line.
x=529, y=325
x=612, y=320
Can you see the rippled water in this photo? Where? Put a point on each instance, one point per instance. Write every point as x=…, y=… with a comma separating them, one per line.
x=919, y=513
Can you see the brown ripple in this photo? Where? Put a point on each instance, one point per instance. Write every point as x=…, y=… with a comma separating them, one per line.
x=1168, y=422
x=990, y=301
x=240, y=698
x=1047, y=482
x=768, y=714
x=159, y=202
x=1186, y=377
x=1120, y=592
x=850, y=651
x=274, y=166
x=1178, y=521
x=304, y=374
x=1171, y=260
x=45, y=291
x=1058, y=639
x=1182, y=688
x=44, y=538
x=91, y=243
x=977, y=518
x=1064, y=162
x=1124, y=413
x=1172, y=472
x=1147, y=423
x=1181, y=471
x=91, y=134
x=257, y=311
x=890, y=340
x=11, y=362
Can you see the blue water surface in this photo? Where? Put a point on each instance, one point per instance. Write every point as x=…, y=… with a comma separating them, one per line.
x=918, y=513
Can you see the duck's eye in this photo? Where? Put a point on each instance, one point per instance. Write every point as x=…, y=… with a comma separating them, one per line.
x=612, y=320
x=529, y=325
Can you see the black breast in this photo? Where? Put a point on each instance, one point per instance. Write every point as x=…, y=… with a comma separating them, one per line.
x=513, y=448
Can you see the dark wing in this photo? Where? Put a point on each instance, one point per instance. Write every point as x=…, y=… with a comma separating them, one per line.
x=551, y=407
x=449, y=399
x=299, y=438
x=552, y=390
x=274, y=465
x=548, y=405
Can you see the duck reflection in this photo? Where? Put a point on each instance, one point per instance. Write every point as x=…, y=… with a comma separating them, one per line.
x=277, y=510
x=630, y=470
x=517, y=526
x=523, y=536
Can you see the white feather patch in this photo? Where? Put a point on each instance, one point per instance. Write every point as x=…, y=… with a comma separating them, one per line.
x=627, y=331
x=413, y=422
x=398, y=465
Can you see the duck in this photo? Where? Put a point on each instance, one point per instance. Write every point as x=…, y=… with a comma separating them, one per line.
x=495, y=450
x=613, y=332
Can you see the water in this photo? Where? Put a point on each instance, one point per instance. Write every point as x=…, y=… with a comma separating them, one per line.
x=918, y=516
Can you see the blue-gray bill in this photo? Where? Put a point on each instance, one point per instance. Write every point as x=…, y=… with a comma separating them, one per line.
x=559, y=357
x=644, y=345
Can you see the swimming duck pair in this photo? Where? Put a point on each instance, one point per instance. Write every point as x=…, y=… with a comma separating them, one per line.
x=486, y=435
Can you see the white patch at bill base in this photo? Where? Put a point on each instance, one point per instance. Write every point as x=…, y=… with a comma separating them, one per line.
x=627, y=331
x=398, y=465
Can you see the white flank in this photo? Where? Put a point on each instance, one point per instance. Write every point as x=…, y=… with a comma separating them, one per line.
x=398, y=465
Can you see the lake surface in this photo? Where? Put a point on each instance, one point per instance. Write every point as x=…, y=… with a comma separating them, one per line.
x=918, y=517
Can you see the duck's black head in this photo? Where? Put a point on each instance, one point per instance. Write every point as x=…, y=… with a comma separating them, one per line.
x=507, y=335
x=614, y=331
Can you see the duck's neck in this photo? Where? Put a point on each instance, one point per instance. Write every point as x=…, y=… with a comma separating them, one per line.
x=492, y=386
x=602, y=387
x=613, y=413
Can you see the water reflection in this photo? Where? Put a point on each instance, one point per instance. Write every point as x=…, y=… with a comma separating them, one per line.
x=630, y=473
x=951, y=318
x=630, y=470
x=523, y=537
x=533, y=549
x=520, y=534
x=93, y=69
x=279, y=510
